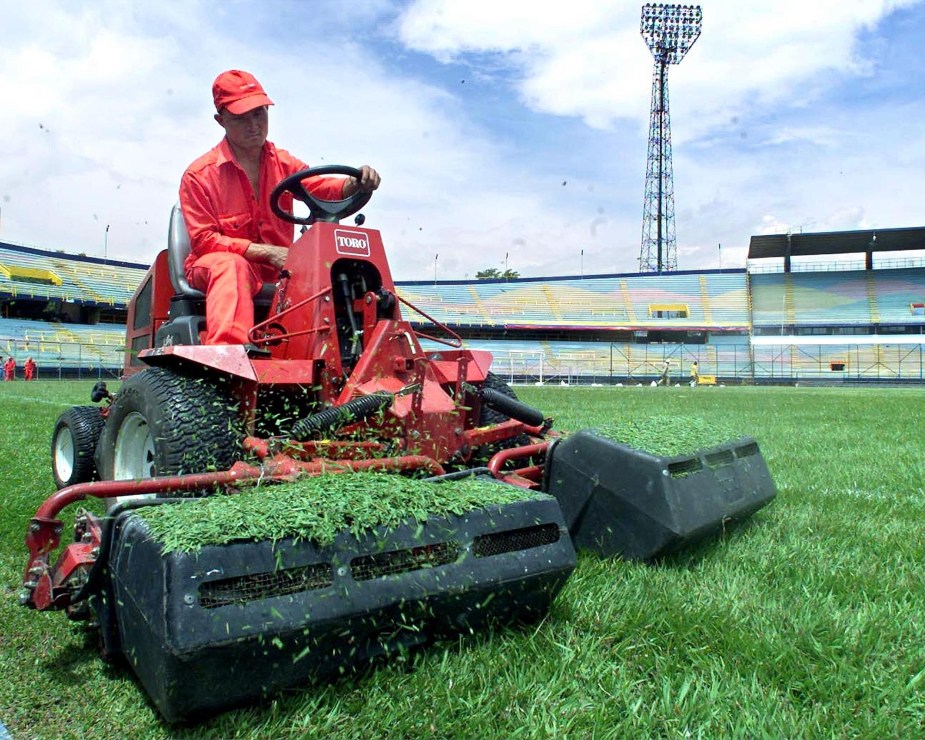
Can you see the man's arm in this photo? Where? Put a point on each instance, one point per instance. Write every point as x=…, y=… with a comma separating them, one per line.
x=266, y=253
x=326, y=187
x=321, y=187
x=205, y=232
x=276, y=256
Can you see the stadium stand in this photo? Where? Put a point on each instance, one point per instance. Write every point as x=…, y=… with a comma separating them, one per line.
x=899, y=296
x=818, y=322
x=811, y=298
x=65, y=311
x=64, y=349
x=860, y=298
x=783, y=322
x=26, y=272
x=715, y=300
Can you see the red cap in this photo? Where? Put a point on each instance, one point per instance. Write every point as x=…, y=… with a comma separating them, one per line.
x=238, y=91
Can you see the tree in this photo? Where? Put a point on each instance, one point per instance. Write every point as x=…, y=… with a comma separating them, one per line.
x=493, y=273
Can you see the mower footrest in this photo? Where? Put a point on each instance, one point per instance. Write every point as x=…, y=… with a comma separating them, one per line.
x=618, y=500
x=231, y=624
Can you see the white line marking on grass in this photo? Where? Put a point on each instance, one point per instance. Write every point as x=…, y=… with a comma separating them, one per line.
x=914, y=499
x=34, y=399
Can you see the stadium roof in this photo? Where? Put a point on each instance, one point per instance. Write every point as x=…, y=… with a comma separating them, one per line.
x=836, y=242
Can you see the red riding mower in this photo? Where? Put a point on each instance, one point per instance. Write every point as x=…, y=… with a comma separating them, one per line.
x=333, y=381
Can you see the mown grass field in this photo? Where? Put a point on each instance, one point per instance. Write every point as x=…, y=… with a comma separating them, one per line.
x=807, y=621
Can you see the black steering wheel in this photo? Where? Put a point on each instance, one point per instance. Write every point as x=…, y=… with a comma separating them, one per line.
x=318, y=210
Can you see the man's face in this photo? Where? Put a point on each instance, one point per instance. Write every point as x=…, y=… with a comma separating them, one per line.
x=246, y=131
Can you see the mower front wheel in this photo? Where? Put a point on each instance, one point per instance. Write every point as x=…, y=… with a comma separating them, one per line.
x=73, y=443
x=162, y=423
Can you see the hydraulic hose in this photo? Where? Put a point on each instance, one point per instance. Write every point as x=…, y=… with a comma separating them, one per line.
x=354, y=410
x=512, y=407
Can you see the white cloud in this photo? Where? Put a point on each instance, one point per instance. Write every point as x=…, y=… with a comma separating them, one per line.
x=755, y=64
x=592, y=62
x=108, y=103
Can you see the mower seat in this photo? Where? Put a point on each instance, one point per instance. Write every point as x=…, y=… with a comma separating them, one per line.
x=188, y=305
x=178, y=249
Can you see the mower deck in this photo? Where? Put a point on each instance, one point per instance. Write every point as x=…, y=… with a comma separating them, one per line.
x=231, y=624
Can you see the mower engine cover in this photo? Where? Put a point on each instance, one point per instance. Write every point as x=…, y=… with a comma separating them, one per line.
x=618, y=500
x=230, y=624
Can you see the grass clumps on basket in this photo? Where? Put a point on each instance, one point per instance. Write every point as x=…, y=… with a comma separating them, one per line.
x=318, y=508
x=668, y=436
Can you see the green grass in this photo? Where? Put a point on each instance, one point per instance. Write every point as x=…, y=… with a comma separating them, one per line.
x=807, y=621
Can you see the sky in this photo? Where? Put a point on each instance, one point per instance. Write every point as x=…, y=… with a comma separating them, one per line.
x=508, y=133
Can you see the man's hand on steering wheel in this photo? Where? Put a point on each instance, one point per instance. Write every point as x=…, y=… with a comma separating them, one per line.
x=356, y=192
x=367, y=182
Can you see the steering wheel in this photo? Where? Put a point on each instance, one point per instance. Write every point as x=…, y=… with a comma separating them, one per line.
x=318, y=210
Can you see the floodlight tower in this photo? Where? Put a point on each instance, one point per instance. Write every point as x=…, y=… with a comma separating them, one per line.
x=670, y=31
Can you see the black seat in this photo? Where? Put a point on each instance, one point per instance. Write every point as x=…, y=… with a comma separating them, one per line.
x=178, y=249
x=188, y=305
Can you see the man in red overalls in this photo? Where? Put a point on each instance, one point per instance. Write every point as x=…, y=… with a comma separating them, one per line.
x=9, y=369
x=28, y=369
x=237, y=243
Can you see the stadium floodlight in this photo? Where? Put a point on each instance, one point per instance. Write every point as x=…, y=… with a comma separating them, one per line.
x=669, y=31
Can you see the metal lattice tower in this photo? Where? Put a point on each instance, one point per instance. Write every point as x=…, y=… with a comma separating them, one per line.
x=670, y=31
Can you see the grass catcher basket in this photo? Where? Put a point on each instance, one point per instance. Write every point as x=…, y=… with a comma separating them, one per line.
x=229, y=624
x=618, y=500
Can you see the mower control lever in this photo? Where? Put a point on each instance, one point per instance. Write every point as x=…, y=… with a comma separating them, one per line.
x=348, y=305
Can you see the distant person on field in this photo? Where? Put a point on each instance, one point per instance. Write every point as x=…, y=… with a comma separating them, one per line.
x=237, y=243
x=9, y=369
x=664, y=379
x=695, y=374
x=29, y=369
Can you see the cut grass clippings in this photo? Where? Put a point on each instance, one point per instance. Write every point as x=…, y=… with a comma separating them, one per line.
x=669, y=436
x=318, y=508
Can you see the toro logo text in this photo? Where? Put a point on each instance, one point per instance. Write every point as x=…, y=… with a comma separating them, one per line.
x=352, y=243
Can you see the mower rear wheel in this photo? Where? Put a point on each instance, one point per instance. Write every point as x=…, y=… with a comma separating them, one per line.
x=73, y=443
x=162, y=423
